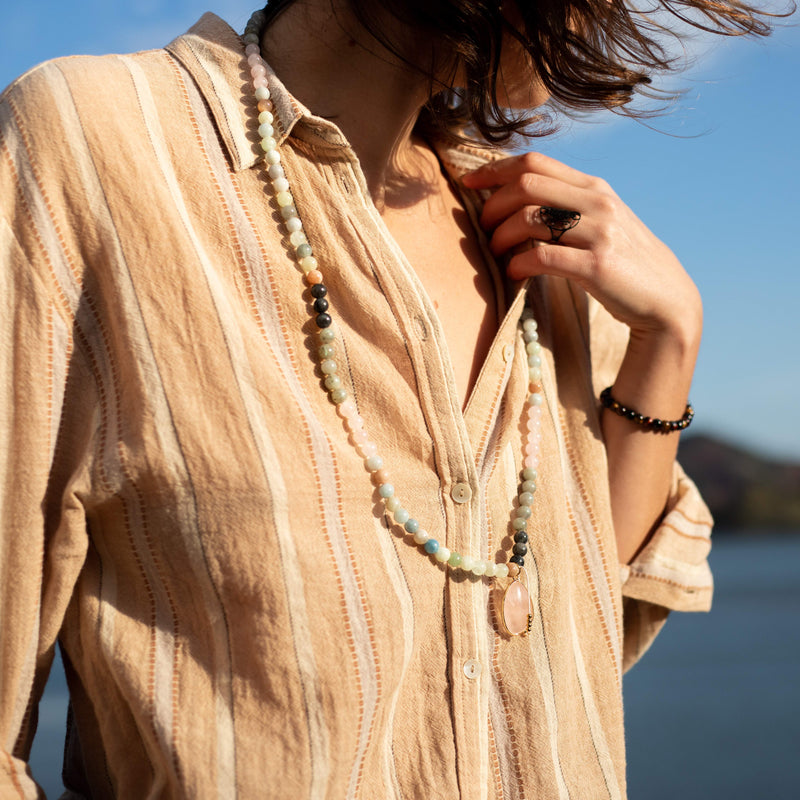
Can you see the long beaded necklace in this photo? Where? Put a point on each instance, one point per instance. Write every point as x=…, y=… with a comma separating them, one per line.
x=517, y=608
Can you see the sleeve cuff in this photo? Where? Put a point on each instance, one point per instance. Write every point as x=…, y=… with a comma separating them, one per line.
x=672, y=569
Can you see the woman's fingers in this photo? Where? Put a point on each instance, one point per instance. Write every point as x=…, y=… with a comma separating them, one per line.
x=553, y=259
x=505, y=170
x=527, y=224
x=531, y=189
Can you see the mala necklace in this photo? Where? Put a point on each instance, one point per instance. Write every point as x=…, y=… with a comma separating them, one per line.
x=517, y=608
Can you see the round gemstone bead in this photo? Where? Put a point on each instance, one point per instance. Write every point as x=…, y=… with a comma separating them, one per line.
x=328, y=366
x=421, y=536
x=265, y=131
x=262, y=93
x=521, y=537
x=467, y=563
x=326, y=351
x=528, y=486
x=529, y=474
x=526, y=498
x=490, y=569
x=392, y=504
x=518, y=560
x=293, y=225
x=513, y=567
x=320, y=305
x=519, y=523
x=412, y=526
x=529, y=324
x=283, y=198
x=442, y=554
x=272, y=157
x=279, y=184
x=326, y=335
x=431, y=546
x=304, y=250
x=523, y=512
x=309, y=264
x=323, y=320
x=501, y=570
x=386, y=490
x=479, y=567
x=268, y=145
x=520, y=549
x=338, y=396
x=333, y=382
x=266, y=118
x=318, y=291
x=400, y=516
x=288, y=211
x=454, y=560
x=373, y=463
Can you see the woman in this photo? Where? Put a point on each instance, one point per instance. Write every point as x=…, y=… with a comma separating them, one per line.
x=245, y=279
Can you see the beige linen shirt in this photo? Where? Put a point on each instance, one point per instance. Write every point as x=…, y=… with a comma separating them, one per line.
x=181, y=507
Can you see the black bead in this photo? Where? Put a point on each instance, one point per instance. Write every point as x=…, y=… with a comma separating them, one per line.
x=521, y=537
x=518, y=560
x=520, y=549
x=324, y=320
x=319, y=290
x=320, y=305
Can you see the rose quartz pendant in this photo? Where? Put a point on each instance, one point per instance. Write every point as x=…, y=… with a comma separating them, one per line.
x=516, y=608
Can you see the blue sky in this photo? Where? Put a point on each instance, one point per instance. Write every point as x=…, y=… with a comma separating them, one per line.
x=721, y=187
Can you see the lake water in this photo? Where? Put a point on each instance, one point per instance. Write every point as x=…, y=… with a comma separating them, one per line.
x=713, y=709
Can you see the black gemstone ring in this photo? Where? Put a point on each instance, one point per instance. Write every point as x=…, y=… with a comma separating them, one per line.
x=558, y=221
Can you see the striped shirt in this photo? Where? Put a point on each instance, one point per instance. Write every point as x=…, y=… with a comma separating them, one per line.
x=183, y=512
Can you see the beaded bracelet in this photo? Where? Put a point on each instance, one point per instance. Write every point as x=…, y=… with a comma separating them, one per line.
x=648, y=423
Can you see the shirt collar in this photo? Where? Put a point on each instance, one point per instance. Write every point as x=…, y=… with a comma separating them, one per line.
x=213, y=54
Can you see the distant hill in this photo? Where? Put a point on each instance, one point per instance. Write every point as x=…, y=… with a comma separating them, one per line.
x=743, y=490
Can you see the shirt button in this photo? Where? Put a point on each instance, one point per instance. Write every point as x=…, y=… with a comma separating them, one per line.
x=508, y=353
x=461, y=493
x=473, y=669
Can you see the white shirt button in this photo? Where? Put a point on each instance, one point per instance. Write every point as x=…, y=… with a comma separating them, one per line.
x=473, y=669
x=508, y=353
x=461, y=493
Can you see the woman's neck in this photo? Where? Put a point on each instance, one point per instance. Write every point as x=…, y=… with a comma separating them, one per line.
x=338, y=71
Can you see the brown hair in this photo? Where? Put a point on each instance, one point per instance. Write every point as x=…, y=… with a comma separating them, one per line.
x=587, y=54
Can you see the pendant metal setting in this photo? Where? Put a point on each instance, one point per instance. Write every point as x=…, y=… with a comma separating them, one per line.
x=517, y=609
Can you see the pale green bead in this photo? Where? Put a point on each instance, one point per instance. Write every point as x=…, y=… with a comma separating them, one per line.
x=262, y=93
x=400, y=516
x=534, y=361
x=293, y=224
x=268, y=144
x=455, y=559
x=327, y=335
x=501, y=570
x=338, y=396
x=535, y=374
x=530, y=336
x=526, y=498
x=490, y=567
x=392, y=504
x=297, y=238
x=386, y=490
x=421, y=536
x=536, y=399
x=265, y=131
x=528, y=486
x=307, y=264
x=373, y=463
x=329, y=366
x=284, y=199
x=281, y=185
x=326, y=351
x=519, y=523
x=442, y=554
x=467, y=563
x=273, y=157
x=529, y=324
x=533, y=348
x=479, y=567
x=523, y=512
x=266, y=118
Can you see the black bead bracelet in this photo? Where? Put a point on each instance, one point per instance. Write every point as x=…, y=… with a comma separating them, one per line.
x=648, y=423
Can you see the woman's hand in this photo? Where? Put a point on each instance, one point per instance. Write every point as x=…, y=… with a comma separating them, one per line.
x=615, y=258
x=610, y=253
